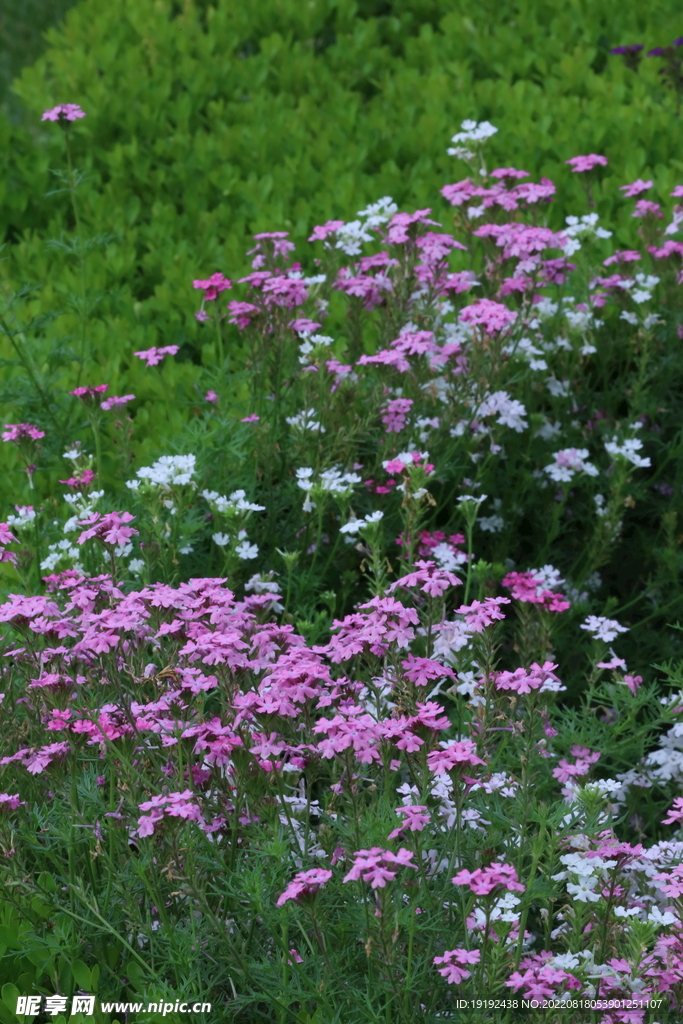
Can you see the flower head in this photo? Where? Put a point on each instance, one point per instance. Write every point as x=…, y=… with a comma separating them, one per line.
x=305, y=883
x=63, y=112
x=587, y=163
x=153, y=356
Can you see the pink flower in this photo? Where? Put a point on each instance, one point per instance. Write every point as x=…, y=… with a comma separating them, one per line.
x=636, y=187
x=378, y=866
x=484, y=880
x=524, y=680
x=457, y=753
x=211, y=396
x=63, y=112
x=321, y=231
x=305, y=883
x=109, y=528
x=435, y=581
x=86, y=393
x=115, y=401
x=250, y=419
x=644, y=208
x=212, y=286
x=84, y=479
x=395, y=413
x=21, y=431
x=10, y=801
x=673, y=881
x=481, y=614
x=202, y=315
x=587, y=163
x=491, y=316
x=622, y=256
x=454, y=960
x=153, y=356
x=675, y=814
x=175, y=805
x=421, y=671
x=416, y=817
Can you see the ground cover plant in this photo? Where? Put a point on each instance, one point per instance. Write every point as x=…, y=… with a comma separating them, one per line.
x=339, y=709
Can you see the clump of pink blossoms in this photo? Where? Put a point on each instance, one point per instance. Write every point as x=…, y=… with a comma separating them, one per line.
x=109, y=528
x=153, y=356
x=483, y=881
x=587, y=163
x=63, y=112
x=378, y=866
x=454, y=963
x=306, y=883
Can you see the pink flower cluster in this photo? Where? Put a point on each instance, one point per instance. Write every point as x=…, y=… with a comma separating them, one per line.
x=455, y=963
x=63, y=112
x=153, y=356
x=585, y=759
x=109, y=528
x=378, y=866
x=18, y=432
x=483, y=881
x=305, y=883
x=526, y=587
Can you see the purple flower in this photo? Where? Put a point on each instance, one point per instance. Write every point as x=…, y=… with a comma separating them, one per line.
x=587, y=163
x=657, y=52
x=153, y=356
x=63, y=112
x=633, y=48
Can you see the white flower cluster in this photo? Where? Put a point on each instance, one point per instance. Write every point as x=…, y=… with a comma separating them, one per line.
x=568, y=462
x=640, y=287
x=602, y=628
x=587, y=872
x=472, y=133
x=310, y=343
x=350, y=237
x=83, y=505
x=237, y=502
x=305, y=420
x=26, y=514
x=628, y=449
x=526, y=350
x=354, y=526
x=243, y=549
x=582, y=227
x=63, y=551
x=328, y=481
x=167, y=472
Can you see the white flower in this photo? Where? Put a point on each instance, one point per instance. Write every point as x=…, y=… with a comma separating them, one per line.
x=24, y=516
x=305, y=420
x=221, y=539
x=627, y=449
x=630, y=318
x=492, y=524
x=557, y=388
x=379, y=212
x=136, y=566
x=473, y=131
x=626, y=911
x=166, y=472
x=583, y=891
x=602, y=628
x=246, y=551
